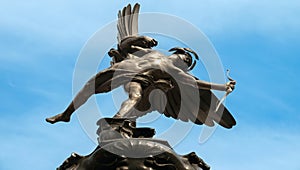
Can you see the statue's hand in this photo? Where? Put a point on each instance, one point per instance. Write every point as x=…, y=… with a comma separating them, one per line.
x=230, y=86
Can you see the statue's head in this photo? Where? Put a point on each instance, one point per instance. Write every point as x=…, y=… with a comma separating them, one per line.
x=183, y=59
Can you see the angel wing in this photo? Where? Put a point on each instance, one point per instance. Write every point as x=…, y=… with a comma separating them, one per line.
x=129, y=42
x=183, y=104
x=128, y=22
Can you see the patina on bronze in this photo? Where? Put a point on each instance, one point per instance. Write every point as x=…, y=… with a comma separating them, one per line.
x=141, y=70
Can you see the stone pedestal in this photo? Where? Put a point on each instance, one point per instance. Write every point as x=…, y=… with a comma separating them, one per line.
x=123, y=146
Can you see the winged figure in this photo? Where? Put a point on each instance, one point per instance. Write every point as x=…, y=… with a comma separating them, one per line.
x=154, y=81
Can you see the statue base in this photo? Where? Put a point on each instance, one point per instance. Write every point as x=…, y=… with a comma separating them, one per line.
x=123, y=146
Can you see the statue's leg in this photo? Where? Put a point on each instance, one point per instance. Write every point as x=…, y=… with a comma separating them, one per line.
x=127, y=109
x=97, y=84
x=82, y=96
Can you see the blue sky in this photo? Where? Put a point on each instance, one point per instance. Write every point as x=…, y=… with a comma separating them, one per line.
x=258, y=40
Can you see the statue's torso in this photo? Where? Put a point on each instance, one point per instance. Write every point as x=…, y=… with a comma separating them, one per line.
x=152, y=60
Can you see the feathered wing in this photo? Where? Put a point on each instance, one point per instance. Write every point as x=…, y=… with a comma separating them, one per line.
x=187, y=103
x=128, y=21
x=208, y=104
x=182, y=104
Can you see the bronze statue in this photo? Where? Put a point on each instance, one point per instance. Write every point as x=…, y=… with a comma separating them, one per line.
x=140, y=69
x=154, y=82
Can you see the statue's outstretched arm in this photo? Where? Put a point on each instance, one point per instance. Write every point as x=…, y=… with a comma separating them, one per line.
x=214, y=86
x=190, y=80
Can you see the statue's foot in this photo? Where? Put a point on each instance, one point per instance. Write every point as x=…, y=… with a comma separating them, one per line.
x=58, y=118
